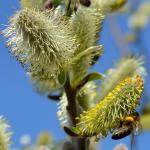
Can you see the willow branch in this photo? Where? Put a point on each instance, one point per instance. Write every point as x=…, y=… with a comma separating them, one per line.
x=83, y=82
x=81, y=144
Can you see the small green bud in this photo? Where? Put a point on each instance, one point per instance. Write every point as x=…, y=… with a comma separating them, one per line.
x=117, y=4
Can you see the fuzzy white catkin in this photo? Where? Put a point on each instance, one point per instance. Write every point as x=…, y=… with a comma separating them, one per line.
x=5, y=135
x=39, y=41
x=43, y=43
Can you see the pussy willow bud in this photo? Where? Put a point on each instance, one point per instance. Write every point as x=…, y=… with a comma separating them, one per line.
x=117, y=4
x=41, y=42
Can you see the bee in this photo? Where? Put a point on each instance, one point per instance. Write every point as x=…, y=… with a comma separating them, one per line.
x=130, y=125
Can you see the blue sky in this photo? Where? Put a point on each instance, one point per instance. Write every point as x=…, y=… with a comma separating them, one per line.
x=27, y=111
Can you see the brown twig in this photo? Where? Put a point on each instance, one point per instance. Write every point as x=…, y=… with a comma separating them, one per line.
x=81, y=144
x=83, y=82
x=71, y=96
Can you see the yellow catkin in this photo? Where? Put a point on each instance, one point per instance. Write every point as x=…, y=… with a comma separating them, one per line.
x=108, y=113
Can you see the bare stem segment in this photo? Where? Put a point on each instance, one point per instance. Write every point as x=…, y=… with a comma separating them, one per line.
x=80, y=143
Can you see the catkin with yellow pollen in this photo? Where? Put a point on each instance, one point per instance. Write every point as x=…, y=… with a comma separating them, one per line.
x=108, y=113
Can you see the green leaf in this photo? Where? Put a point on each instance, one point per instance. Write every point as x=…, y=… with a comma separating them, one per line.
x=71, y=131
x=88, y=78
x=62, y=77
x=117, y=4
x=80, y=82
x=95, y=76
x=75, y=130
